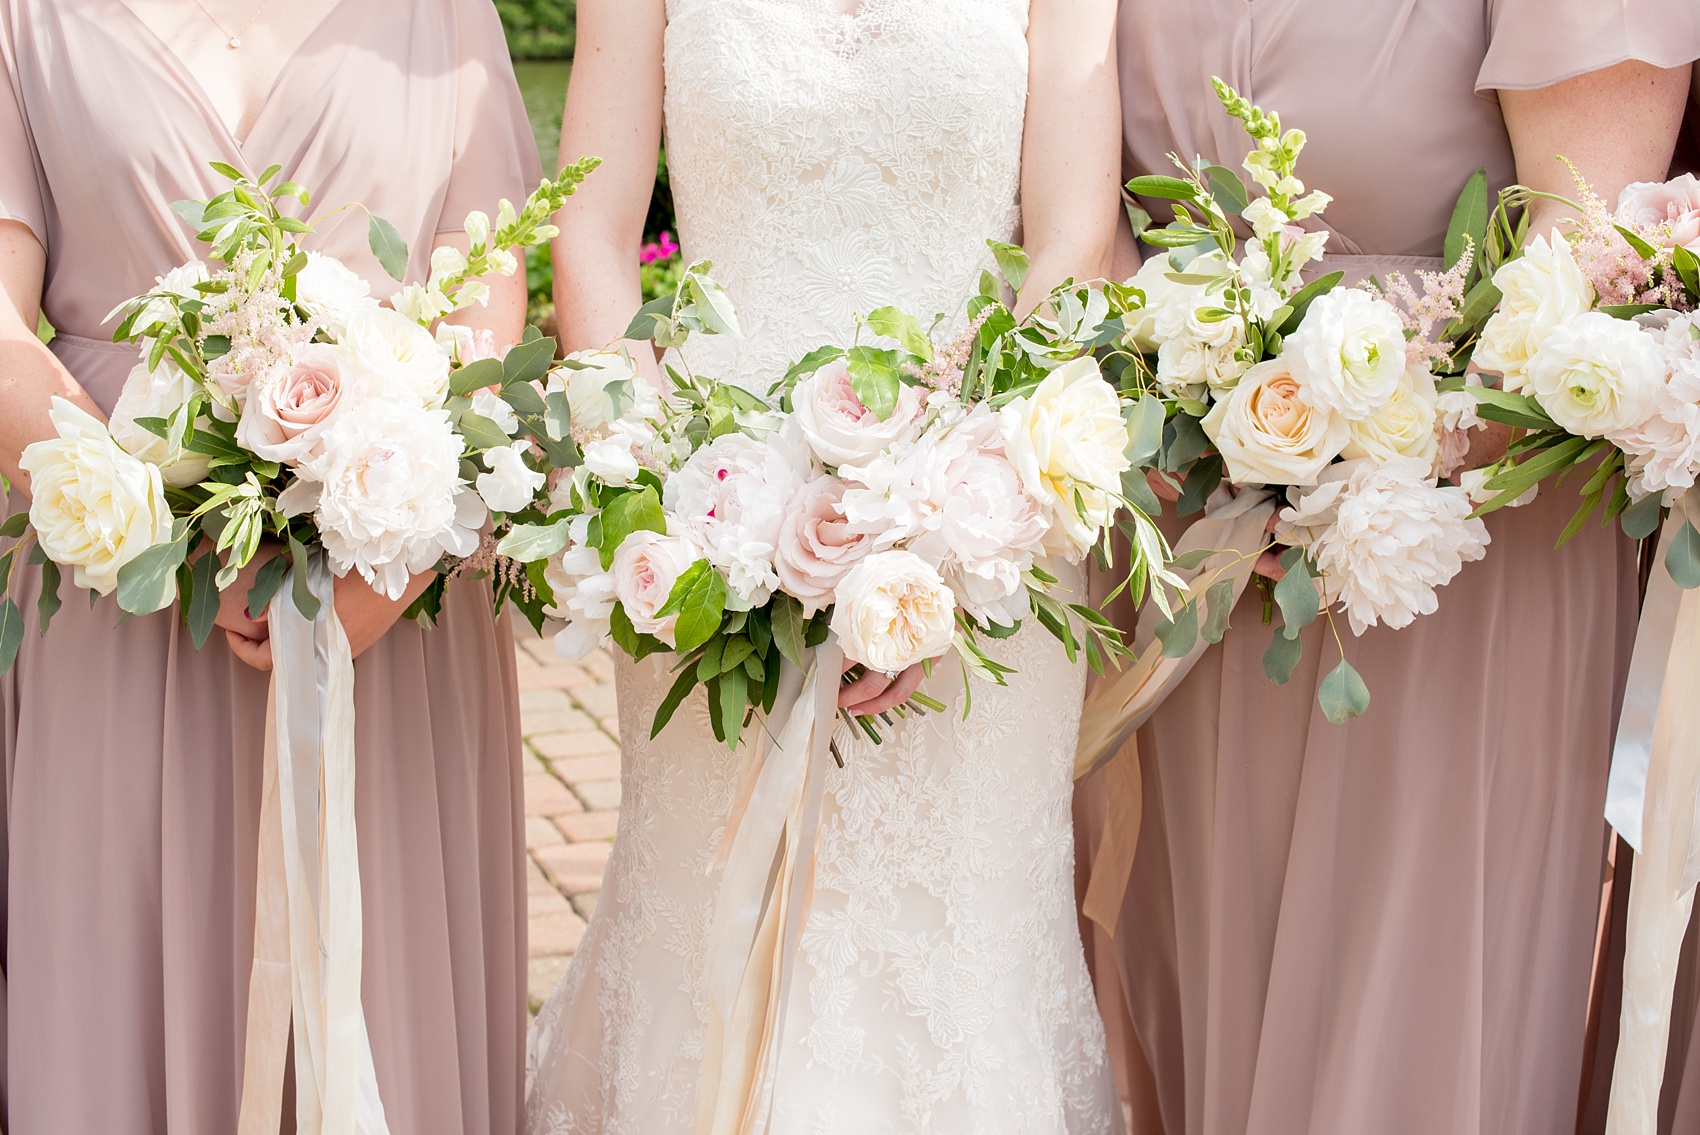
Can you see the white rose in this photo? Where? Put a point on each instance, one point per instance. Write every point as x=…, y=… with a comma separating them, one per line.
x=1597, y=375
x=841, y=430
x=390, y=500
x=646, y=566
x=894, y=611
x=1068, y=442
x=95, y=507
x=1348, y=353
x=1385, y=536
x=730, y=496
x=1405, y=427
x=510, y=484
x=157, y=395
x=1185, y=364
x=332, y=293
x=397, y=357
x=1269, y=435
x=1542, y=290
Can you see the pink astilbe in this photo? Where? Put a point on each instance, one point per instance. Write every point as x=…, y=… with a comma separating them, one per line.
x=1428, y=314
x=261, y=325
x=948, y=367
x=1619, y=274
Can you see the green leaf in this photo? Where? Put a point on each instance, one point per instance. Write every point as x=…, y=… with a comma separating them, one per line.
x=203, y=599
x=1641, y=247
x=1282, y=655
x=875, y=379
x=301, y=590
x=387, y=246
x=1301, y=301
x=1519, y=410
x=191, y=213
x=148, y=583
x=528, y=361
x=1169, y=188
x=1201, y=481
x=1229, y=192
x=1682, y=558
x=225, y=169
x=528, y=543
x=47, y=604
x=1687, y=267
x=686, y=682
x=14, y=525
x=1012, y=262
x=1469, y=219
x=1145, y=430
x=1343, y=695
x=713, y=307
x=1180, y=633
x=266, y=582
x=480, y=432
x=11, y=633
x=637, y=511
x=906, y=329
x=1628, y=310
x=651, y=318
x=627, y=637
x=735, y=652
x=812, y=362
x=522, y=398
x=1641, y=519
x=699, y=599
x=1296, y=594
x=476, y=376
x=1218, y=605
x=788, y=623
x=734, y=699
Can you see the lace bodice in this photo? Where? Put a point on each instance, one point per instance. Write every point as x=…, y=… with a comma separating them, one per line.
x=829, y=164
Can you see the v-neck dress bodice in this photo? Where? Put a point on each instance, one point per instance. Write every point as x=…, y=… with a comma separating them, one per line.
x=131, y=786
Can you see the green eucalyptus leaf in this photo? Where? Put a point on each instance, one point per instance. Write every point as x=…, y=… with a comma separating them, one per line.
x=1297, y=596
x=1283, y=654
x=713, y=307
x=1682, y=558
x=528, y=361
x=1228, y=191
x=148, y=583
x=1179, y=633
x=11, y=633
x=203, y=599
x=522, y=398
x=15, y=525
x=529, y=543
x=652, y=318
x=301, y=590
x=47, y=604
x=1343, y=695
x=1641, y=519
x=1218, y=605
x=1145, y=420
x=266, y=582
x=475, y=376
x=388, y=246
x=480, y=432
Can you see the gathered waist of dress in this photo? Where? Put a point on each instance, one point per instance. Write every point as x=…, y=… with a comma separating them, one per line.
x=1359, y=267
x=99, y=366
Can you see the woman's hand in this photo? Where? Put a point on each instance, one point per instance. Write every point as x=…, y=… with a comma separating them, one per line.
x=366, y=617
x=874, y=693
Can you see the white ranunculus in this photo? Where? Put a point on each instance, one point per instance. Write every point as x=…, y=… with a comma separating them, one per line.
x=841, y=430
x=390, y=498
x=95, y=507
x=1405, y=427
x=602, y=386
x=817, y=546
x=1348, y=353
x=584, y=594
x=331, y=292
x=646, y=566
x=157, y=395
x=397, y=357
x=894, y=611
x=1542, y=290
x=1385, y=536
x=730, y=497
x=1068, y=442
x=1596, y=375
x=1269, y=435
x=510, y=484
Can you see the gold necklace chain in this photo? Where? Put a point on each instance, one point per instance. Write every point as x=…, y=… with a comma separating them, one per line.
x=235, y=37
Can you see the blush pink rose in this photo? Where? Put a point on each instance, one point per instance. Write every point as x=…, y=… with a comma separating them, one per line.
x=839, y=428
x=288, y=413
x=645, y=568
x=816, y=545
x=1649, y=204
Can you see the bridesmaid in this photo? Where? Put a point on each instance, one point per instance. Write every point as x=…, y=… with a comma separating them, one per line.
x=1387, y=926
x=132, y=761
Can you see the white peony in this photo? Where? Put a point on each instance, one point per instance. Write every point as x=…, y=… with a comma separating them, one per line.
x=157, y=395
x=841, y=430
x=1405, y=427
x=510, y=484
x=646, y=566
x=95, y=507
x=1269, y=435
x=1385, y=536
x=390, y=500
x=1348, y=353
x=1596, y=375
x=1068, y=442
x=397, y=357
x=332, y=292
x=894, y=611
x=1663, y=452
x=731, y=497
x=1542, y=290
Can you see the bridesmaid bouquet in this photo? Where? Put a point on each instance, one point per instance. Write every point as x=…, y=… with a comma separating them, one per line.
x=906, y=499
x=276, y=399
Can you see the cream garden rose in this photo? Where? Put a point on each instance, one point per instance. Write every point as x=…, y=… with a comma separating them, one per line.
x=157, y=394
x=1269, y=435
x=1348, y=353
x=1597, y=375
x=1406, y=427
x=1542, y=290
x=95, y=507
x=894, y=611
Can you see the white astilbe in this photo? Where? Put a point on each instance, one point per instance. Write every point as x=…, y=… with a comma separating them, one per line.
x=1385, y=537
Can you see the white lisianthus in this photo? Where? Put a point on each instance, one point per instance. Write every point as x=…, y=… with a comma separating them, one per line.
x=331, y=293
x=1596, y=375
x=1385, y=537
x=1541, y=291
x=893, y=611
x=488, y=404
x=510, y=484
x=1269, y=435
x=1348, y=353
x=157, y=395
x=731, y=497
x=397, y=357
x=95, y=507
x=646, y=566
x=1068, y=443
x=841, y=430
x=1405, y=427
x=390, y=498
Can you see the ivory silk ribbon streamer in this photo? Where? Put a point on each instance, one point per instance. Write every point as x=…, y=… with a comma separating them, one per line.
x=307, y=921
x=1651, y=800
x=767, y=862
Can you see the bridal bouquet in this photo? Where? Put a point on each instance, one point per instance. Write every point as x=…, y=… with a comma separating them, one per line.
x=908, y=499
x=275, y=399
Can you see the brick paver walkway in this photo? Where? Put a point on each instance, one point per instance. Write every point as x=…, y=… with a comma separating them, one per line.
x=572, y=797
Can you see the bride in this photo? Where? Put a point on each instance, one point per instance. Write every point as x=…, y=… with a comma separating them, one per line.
x=830, y=159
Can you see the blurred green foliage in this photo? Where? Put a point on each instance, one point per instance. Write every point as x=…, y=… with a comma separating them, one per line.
x=539, y=29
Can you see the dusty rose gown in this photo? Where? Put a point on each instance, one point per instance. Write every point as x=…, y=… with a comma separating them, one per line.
x=132, y=762
x=1385, y=926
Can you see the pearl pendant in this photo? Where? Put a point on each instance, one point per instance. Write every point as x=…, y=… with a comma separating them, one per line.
x=235, y=42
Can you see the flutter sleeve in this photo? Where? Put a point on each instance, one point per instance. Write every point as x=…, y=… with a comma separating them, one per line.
x=1536, y=43
x=495, y=154
x=21, y=193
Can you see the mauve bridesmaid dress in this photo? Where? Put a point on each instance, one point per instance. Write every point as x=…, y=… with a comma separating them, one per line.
x=132, y=761
x=1387, y=926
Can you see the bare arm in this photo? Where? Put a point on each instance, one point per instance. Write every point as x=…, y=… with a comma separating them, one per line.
x=613, y=111
x=30, y=375
x=1071, y=148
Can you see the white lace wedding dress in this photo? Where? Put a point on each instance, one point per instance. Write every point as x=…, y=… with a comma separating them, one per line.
x=828, y=164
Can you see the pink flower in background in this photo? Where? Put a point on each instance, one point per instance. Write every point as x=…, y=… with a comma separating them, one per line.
x=663, y=249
